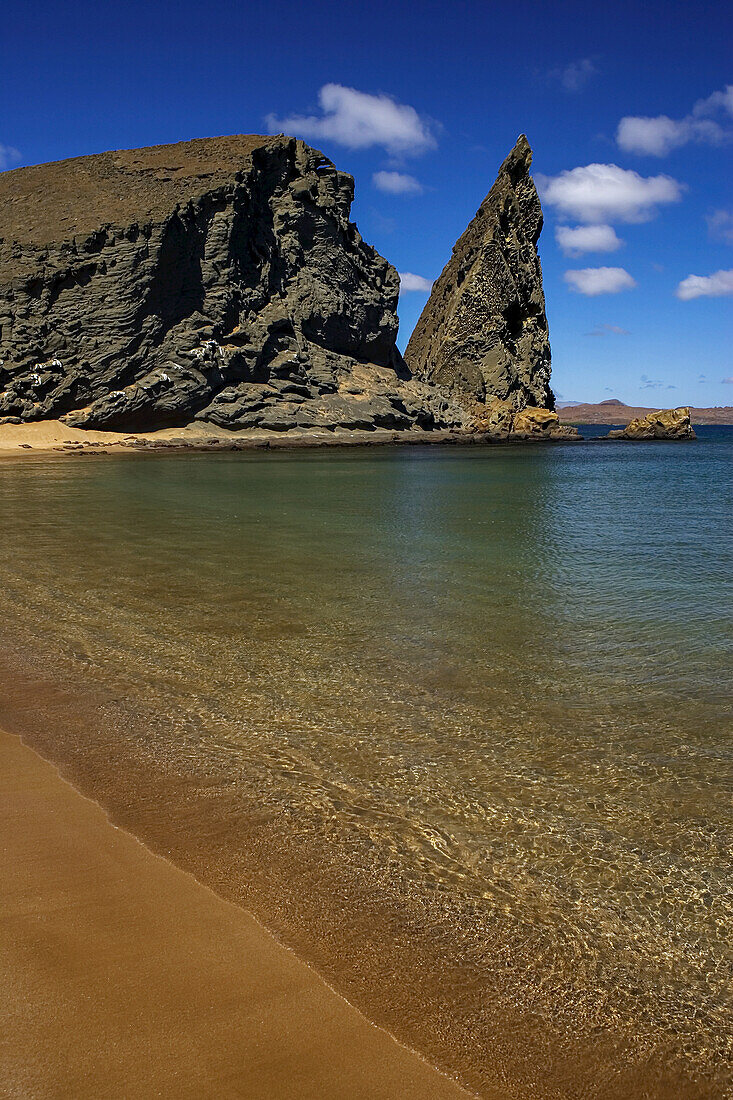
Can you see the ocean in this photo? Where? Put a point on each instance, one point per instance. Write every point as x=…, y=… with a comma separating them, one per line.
x=454, y=722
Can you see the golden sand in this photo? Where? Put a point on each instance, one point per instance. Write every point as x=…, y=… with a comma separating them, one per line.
x=123, y=976
x=52, y=435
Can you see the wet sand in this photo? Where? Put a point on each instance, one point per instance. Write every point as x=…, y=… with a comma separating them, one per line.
x=124, y=976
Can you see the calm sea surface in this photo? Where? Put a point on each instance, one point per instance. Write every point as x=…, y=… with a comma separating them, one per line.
x=488, y=688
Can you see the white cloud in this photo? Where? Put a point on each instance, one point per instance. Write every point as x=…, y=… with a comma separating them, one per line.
x=408, y=281
x=358, y=121
x=720, y=224
x=649, y=135
x=727, y=381
x=397, y=183
x=587, y=238
x=8, y=156
x=706, y=286
x=592, y=281
x=599, y=193
x=658, y=135
x=576, y=75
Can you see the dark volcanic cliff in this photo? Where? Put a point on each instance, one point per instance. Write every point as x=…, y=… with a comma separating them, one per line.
x=483, y=332
x=218, y=279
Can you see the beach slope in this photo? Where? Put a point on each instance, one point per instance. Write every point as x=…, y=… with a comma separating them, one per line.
x=123, y=976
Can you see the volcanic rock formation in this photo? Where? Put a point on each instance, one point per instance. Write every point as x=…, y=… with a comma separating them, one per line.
x=218, y=279
x=483, y=332
x=501, y=421
x=663, y=424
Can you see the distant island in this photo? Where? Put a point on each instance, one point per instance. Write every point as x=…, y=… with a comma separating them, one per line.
x=614, y=411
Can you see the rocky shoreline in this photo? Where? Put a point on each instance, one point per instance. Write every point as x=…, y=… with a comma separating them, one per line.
x=56, y=438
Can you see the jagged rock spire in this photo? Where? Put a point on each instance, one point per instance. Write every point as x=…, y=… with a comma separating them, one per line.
x=483, y=332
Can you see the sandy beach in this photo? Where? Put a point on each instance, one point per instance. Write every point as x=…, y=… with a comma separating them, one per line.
x=53, y=436
x=125, y=977
x=47, y=437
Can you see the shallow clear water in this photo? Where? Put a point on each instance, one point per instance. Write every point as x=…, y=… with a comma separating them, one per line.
x=501, y=675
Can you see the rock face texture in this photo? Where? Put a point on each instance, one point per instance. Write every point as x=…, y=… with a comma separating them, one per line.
x=218, y=279
x=483, y=332
x=502, y=422
x=664, y=424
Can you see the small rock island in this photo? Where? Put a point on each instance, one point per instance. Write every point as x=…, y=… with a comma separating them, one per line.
x=665, y=424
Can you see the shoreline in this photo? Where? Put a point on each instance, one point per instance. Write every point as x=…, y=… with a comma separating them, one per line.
x=46, y=438
x=100, y=932
x=53, y=437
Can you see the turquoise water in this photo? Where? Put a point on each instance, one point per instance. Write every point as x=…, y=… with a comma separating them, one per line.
x=496, y=679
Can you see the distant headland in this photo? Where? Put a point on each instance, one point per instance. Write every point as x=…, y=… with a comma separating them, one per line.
x=614, y=411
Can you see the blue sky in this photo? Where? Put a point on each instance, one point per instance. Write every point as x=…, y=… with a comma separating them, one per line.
x=641, y=307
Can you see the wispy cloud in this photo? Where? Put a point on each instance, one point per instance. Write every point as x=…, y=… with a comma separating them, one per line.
x=408, y=282
x=720, y=225
x=397, y=183
x=722, y=100
x=592, y=281
x=359, y=120
x=575, y=75
x=587, y=238
x=727, y=381
x=603, y=193
x=8, y=157
x=706, y=286
x=608, y=330
x=659, y=134
x=651, y=383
